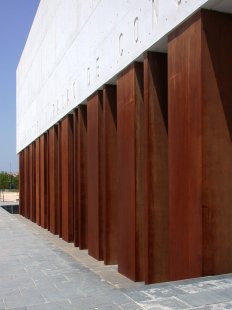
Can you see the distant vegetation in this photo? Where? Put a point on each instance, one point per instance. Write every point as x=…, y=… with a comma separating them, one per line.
x=9, y=181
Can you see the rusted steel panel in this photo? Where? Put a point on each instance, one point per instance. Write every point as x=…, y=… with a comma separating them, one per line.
x=67, y=178
x=82, y=176
x=47, y=182
x=110, y=202
x=185, y=150
x=200, y=166
x=76, y=181
x=130, y=172
x=53, y=180
x=32, y=182
x=21, y=183
x=37, y=183
x=59, y=180
x=94, y=138
x=216, y=106
x=27, y=184
x=43, y=179
x=156, y=168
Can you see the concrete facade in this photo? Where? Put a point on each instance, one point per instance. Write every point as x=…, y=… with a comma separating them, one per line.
x=75, y=47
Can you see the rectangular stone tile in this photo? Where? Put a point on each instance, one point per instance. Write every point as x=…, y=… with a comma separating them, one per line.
x=206, y=298
x=8, y=291
x=22, y=301
x=167, y=304
x=220, y=306
x=89, y=302
x=198, y=287
x=60, y=305
x=111, y=306
x=130, y=306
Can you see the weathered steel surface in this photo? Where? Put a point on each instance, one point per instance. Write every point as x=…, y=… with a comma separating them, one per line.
x=47, y=171
x=26, y=184
x=200, y=165
x=43, y=180
x=130, y=167
x=59, y=180
x=216, y=107
x=67, y=178
x=37, y=183
x=80, y=178
x=185, y=150
x=156, y=168
x=94, y=138
x=32, y=180
x=76, y=221
x=110, y=202
x=82, y=160
x=21, y=183
x=53, y=180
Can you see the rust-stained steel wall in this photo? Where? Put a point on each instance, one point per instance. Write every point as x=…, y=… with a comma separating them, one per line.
x=130, y=168
x=216, y=142
x=27, y=184
x=32, y=181
x=94, y=140
x=53, y=180
x=109, y=178
x=37, y=181
x=200, y=165
x=82, y=162
x=80, y=178
x=76, y=180
x=66, y=164
x=43, y=180
x=156, y=168
x=185, y=150
x=139, y=179
x=21, y=183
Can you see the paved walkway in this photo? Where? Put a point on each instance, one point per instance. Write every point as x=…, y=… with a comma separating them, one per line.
x=40, y=271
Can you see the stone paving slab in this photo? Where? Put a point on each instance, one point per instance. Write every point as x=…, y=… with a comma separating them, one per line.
x=40, y=271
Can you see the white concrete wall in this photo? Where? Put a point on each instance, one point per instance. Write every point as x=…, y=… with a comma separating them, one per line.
x=76, y=46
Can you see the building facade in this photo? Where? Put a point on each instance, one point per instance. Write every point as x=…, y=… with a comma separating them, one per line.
x=123, y=132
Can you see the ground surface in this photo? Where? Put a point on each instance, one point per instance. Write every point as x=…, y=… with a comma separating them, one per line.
x=40, y=271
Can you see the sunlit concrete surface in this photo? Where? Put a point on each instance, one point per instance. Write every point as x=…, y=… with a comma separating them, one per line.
x=40, y=271
x=9, y=196
x=74, y=47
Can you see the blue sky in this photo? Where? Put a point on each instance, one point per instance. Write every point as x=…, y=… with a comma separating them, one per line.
x=16, y=17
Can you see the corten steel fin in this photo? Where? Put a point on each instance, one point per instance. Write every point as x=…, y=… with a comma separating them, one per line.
x=95, y=162
x=80, y=179
x=110, y=203
x=27, y=183
x=59, y=180
x=200, y=164
x=76, y=184
x=21, y=183
x=37, y=183
x=47, y=181
x=185, y=150
x=67, y=178
x=53, y=180
x=216, y=142
x=130, y=172
x=32, y=181
x=43, y=179
x=156, y=168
